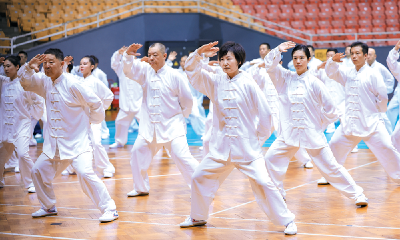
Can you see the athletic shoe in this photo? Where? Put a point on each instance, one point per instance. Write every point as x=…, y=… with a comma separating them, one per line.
x=109, y=216
x=43, y=213
x=323, y=181
x=133, y=193
x=31, y=190
x=66, y=173
x=16, y=169
x=201, y=148
x=355, y=149
x=189, y=222
x=362, y=201
x=308, y=164
x=32, y=142
x=38, y=135
x=108, y=174
x=116, y=145
x=291, y=229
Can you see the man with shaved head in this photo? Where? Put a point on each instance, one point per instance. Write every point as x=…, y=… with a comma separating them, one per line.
x=167, y=100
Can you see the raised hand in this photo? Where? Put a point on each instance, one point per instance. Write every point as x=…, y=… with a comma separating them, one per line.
x=172, y=56
x=132, y=49
x=338, y=57
x=35, y=62
x=213, y=63
x=208, y=49
x=283, y=47
x=321, y=66
x=397, y=47
x=122, y=50
x=261, y=65
x=2, y=60
x=68, y=60
x=145, y=59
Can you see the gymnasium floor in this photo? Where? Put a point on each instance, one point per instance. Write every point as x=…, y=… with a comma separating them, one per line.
x=321, y=211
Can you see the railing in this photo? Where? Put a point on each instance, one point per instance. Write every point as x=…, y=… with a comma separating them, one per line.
x=201, y=6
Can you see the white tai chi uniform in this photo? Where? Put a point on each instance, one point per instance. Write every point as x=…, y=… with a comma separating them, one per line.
x=306, y=108
x=394, y=67
x=393, y=107
x=263, y=80
x=234, y=141
x=66, y=136
x=314, y=63
x=130, y=100
x=16, y=106
x=98, y=73
x=366, y=100
x=167, y=100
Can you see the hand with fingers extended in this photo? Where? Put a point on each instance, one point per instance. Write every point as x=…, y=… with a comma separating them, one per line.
x=338, y=57
x=321, y=66
x=397, y=47
x=283, y=47
x=122, y=50
x=145, y=59
x=68, y=60
x=208, y=49
x=2, y=60
x=35, y=62
x=132, y=49
x=172, y=56
x=213, y=63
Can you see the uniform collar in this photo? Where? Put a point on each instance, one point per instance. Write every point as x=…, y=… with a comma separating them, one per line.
x=235, y=77
x=59, y=79
x=303, y=75
x=363, y=67
x=161, y=70
x=374, y=64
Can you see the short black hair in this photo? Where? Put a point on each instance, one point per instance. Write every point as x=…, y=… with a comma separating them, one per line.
x=96, y=60
x=303, y=48
x=236, y=49
x=266, y=44
x=15, y=60
x=23, y=52
x=70, y=67
x=364, y=46
x=56, y=52
x=311, y=46
x=332, y=50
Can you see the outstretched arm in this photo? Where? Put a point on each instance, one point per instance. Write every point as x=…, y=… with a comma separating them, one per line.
x=392, y=63
x=30, y=80
x=134, y=68
x=334, y=70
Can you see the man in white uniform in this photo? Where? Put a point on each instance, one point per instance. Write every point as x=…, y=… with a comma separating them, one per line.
x=366, y=100
x=394, y=66
x=130, y=100
x=263, y=50
x=314, y=62
x=347, y=60
x=167, y=100
x=67, y=133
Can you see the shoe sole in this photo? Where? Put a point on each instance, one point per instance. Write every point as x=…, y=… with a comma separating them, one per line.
x=364, y=204
x=140, y=194
x=104, y=221
x=194, y=225
x=50, y=214
x=291, y=233
x=324, y=184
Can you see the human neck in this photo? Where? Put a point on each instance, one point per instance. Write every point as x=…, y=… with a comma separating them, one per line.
x=232, y=75
x=158, y=69
x=86, y=75
x=300, y=72
x=13, y=77
x=358, y=67
x=55, y=78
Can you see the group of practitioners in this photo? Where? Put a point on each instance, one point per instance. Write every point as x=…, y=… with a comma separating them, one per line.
x=249, y=101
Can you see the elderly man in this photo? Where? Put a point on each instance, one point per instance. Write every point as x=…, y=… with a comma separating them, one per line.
x=167, y=100
x=263, y=50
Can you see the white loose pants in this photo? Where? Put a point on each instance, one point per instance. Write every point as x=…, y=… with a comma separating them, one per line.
x=101, y=160
x=378, y=142
x=45, y=170
x=12, y=162
x=211, y=173
x=144, y=151
x=21, y=147
x=104, y=128
x=122, y=123
x=393, y=108
x=279, y=154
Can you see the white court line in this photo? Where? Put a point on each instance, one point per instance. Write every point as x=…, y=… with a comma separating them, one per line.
x=38, y=236
x=288, y=189
x=219, y=228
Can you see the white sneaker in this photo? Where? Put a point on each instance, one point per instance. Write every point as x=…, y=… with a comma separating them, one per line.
x=42, y=213
x=105, y=136
x=66, y=173
x=116, y=145
x=108, y=174
x=109, y=216
x=201, y=148
x=31, y=190
x=355, y=149
x=308, y=164
x=331, y=128
x=16, y=169
x=38, y=135
x=32, y=142
x=133, y=193
x=291, y=229
x=362, y=201
x=189, y=222
x=323, y=181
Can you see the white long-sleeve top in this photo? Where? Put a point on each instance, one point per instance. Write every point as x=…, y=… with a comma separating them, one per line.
x=130, y=92
x=393, y=64
x=103, y=92
x=305, y=106
x=386, y=75
x=2, y=73
x=167, y=100
x=263, y=80
x=101, y=75
x=336, y=90
x=68, y=124
x=237, y=103
x=16, y=106
x=314, y=63
x=347, y=62
x=365, y=97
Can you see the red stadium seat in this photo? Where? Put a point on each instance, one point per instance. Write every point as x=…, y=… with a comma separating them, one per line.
x=272, y=17
x=392, y=15
x=350, y=37
x=365, y=24
x=325, y=5
x=392, y=22
x=285, y=17
x=311, y=16
x=289, y=2
x=352, y=16
x=312, y=8
x=324, y=24
x=264, y=2
x=338, y=37
x=299, y=17
x=365, y=30
x=270, y=26
x=285, y=6
x=379, y=23
x=338, y=16
x=325, y=16
x=273, y=6
x=311, y=25
x=298, y=25
x=350, y=24
x=378, y=15
x=338, y=24
x=260, y=8
x=351, y=7
x=364, y=9
x=377, y=6
x=365, y=15
x=393, y=7
x=379, y=36
x=392, y=43
x=326, y=37
x=340, y=1
x=299, y=9
x=251, y=2
x=338, y=45
x=337, y=6
x=391, y=34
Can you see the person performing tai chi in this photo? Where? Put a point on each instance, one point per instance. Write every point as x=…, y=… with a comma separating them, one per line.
x=305, y=112
x=394, y=67
x=238, y=101
x=130, y=100
x=71, y=108
x=16, y=106
x=167, y=100
x=366, y=100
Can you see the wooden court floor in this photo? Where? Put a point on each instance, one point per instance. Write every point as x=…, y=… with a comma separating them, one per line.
x=321, y=211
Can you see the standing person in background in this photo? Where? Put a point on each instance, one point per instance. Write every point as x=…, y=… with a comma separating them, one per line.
x=263, y=50
x=130, y=100
x=347, y=60
x=394, y=66
x=314, y=62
